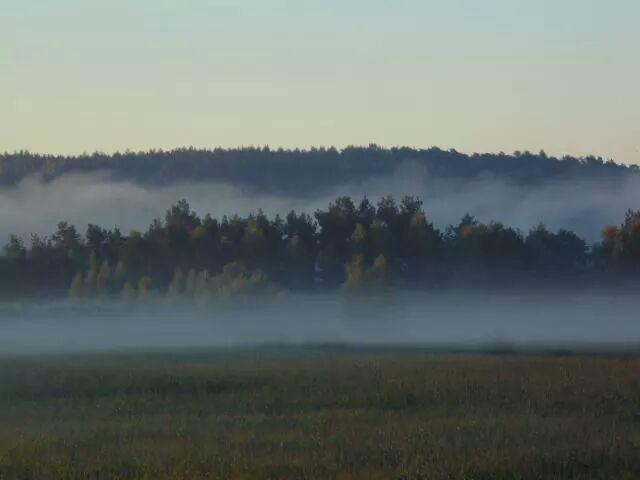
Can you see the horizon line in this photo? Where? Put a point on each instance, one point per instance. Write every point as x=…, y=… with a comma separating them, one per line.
x=308, y=149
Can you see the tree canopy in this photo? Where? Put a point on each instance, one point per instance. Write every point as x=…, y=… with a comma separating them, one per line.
x=304, y=171
x=351, y=245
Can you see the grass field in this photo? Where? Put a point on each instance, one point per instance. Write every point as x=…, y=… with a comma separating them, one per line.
x=323, y=414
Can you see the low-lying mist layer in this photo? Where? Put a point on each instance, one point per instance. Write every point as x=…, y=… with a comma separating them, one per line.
x=592, y=319
x=583, y=206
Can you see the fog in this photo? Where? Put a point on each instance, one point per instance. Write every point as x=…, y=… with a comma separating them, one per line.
x=527, y=320
x=34, y=206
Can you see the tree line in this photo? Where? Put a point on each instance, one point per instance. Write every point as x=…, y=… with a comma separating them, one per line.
x=304, y=171
x=350, y=245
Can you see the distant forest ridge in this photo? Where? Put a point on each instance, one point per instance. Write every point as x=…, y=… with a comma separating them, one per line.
x=304, y=171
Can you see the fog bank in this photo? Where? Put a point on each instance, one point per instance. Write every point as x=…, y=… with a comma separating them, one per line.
x=583, y=206
x=463, y=318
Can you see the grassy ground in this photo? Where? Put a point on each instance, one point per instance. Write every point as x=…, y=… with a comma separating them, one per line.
x=334, y=415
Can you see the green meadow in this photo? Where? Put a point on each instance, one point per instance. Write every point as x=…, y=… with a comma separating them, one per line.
x=320, y=414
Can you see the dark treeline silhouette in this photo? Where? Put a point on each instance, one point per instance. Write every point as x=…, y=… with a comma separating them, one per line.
x=355, y=246
x=304, y=171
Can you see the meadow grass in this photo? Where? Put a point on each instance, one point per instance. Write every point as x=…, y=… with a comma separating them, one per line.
x=319, y=415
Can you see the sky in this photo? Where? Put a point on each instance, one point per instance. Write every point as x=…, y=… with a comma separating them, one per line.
x=475, y=75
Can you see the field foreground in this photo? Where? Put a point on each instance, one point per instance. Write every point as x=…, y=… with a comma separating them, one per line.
x=319, y=414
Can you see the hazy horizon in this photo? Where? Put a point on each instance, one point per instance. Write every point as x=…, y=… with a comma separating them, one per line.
x=311, y=147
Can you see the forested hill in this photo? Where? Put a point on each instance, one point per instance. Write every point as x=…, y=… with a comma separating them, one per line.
x=305, y=171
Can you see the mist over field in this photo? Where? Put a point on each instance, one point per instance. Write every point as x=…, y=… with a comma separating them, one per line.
x=584, y=205
x=430, y=317
x=476, y=319
x=331, y=240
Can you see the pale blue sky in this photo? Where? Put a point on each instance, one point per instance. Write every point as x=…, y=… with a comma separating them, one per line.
x=482, y=75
